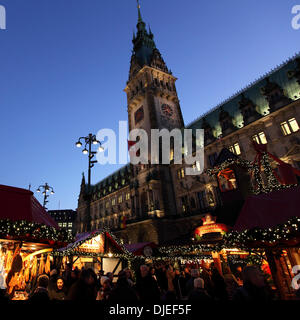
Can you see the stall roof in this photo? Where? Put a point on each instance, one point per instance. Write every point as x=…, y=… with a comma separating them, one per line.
x=20, y=204
x=268, y=210
x=86, y=236
x=137, y=248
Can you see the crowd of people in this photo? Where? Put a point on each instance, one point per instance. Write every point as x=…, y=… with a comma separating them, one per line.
x=154, y=283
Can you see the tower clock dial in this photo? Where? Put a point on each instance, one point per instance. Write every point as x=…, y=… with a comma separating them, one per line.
x=167, y=110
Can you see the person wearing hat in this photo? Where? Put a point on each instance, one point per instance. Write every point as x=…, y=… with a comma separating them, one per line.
x=199, y=293
x=195, y=273
x=105, y=290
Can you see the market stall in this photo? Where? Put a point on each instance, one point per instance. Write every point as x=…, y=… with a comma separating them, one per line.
x=27, y=237
x=271, y=223
x=99, y=250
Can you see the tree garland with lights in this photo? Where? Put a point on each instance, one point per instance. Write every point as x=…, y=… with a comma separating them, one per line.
x=31, y=231
x=73, y=249
x=260, y=166
x=264, y=237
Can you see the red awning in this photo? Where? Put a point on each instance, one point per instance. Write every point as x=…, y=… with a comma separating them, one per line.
x=269, y=210
x=20, y=204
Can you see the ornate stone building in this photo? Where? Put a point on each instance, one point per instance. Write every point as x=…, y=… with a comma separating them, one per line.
x=159, y=202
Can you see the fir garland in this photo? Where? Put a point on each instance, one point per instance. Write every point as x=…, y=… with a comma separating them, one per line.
x=284, y=232
x=31, y=231
x=73, y=250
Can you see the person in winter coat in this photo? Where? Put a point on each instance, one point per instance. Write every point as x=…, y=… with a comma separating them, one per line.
x=59, y=292
x=254, y=287
x=122, y=292
x=105, y=290
x=190, y=283
x=52, y=279
x=146, y=286
x=41, y=292
x=199, y=293
x=84, y=288
x=220, y=292
x=170, y=276
x=231, y=282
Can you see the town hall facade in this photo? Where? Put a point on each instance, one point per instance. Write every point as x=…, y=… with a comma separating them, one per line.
x=160, y=203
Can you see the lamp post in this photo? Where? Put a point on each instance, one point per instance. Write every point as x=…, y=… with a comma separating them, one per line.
x=89, y=141
x=46, y=188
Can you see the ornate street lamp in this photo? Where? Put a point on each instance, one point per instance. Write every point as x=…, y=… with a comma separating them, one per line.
x=89, y=141
x=47, y=191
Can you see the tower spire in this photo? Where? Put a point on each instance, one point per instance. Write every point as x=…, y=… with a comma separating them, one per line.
x=139, y=11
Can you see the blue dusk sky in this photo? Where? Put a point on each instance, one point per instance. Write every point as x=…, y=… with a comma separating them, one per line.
x=64, y=65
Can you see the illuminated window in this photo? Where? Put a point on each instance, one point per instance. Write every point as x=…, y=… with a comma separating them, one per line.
x=113, y=201
x=127, y=195
x=120, y=199
x=235, y=149
x=180, y=173
x=294, y=125
x=290, y=126
x=64, y=225
x=171, y=154
x=106, y=204
x=260, y=138
x=70, y=225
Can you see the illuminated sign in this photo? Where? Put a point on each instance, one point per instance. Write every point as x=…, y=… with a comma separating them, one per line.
x=210, y=226
x=93, y=245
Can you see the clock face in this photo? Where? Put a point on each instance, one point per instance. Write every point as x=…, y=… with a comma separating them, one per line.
x=167, y=110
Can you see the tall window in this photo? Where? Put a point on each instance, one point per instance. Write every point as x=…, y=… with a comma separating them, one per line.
x=113, y=201
x=180, y=173
x=290, y=126
x=235, y=149
x=120, y=199
x=127, y=195
x=260, y=138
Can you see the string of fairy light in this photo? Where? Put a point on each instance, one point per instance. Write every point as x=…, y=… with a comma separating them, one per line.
x=24, y=230
x=258, y=185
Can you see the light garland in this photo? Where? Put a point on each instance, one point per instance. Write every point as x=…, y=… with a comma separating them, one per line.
x=31, y=231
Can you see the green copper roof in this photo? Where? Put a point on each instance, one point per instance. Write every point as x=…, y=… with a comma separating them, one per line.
x=279, y=76
x=143, y=43
x=121, y=173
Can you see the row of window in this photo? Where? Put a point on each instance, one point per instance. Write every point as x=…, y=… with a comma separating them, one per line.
x=115, y=200
x=206, y=199
x=196, y=168
x=288, y=127
x=65, y=225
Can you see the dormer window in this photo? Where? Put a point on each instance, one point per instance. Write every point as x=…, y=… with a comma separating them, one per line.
x=260, y=138
x=235, y=149
x=289, y=127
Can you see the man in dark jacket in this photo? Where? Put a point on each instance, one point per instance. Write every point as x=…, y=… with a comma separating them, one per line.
x=146, y=286
x=199, y=293
x=41, y=292
x=254, y=287
x=122, y=291
x=84, y=288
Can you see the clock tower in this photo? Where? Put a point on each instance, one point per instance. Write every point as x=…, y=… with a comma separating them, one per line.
x=151, y=92
x=152, y=104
